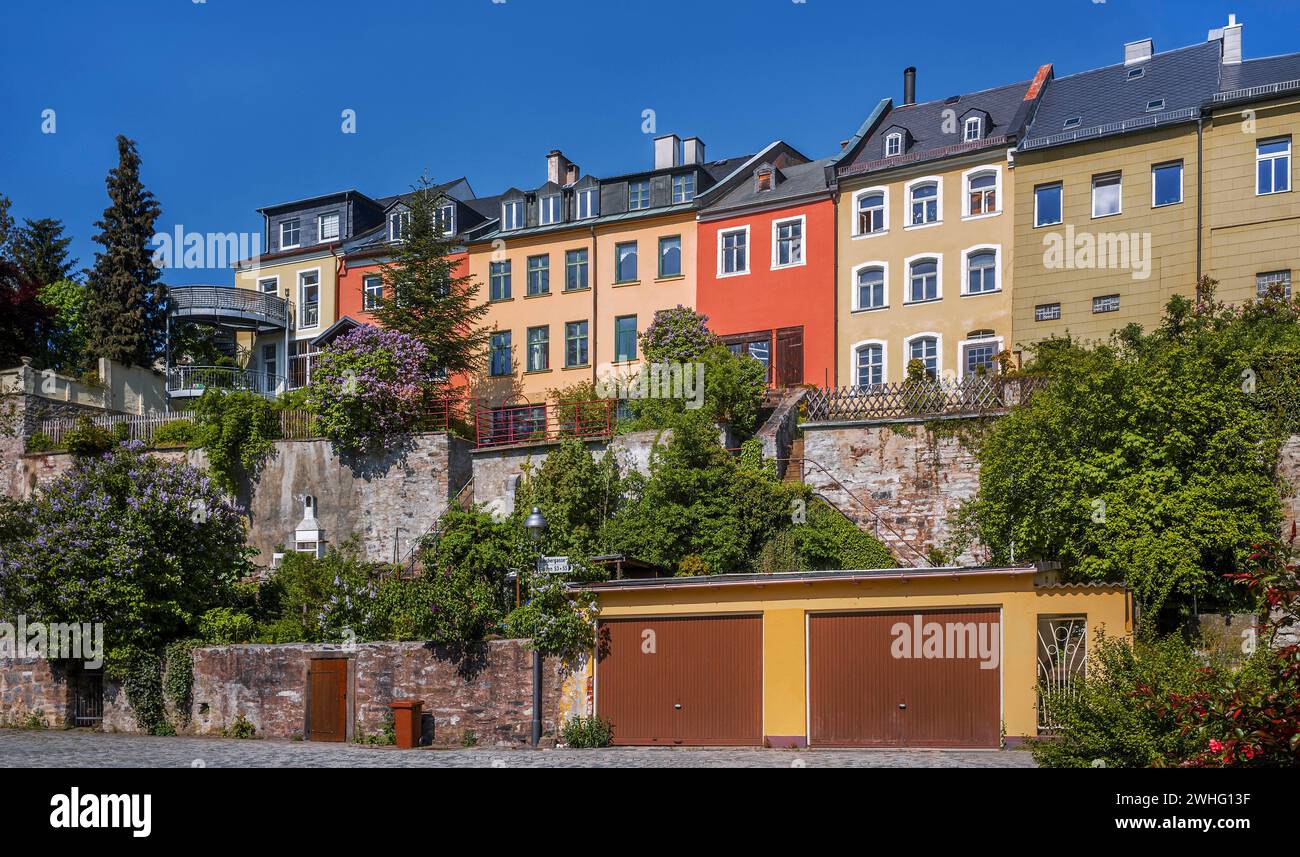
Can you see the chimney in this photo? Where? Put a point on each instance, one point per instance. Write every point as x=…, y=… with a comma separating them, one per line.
x=1139, y=51
x=692, y=150
x=557, y=166
x=1232, y=42
x=572, y=174
x=909, y=85
x=666, y=151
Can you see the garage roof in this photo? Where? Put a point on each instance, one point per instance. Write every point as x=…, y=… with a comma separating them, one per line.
x=714, y=580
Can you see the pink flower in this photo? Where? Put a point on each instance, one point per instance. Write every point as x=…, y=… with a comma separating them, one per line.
x=1215, y=745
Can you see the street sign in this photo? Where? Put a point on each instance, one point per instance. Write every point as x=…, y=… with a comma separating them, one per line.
x=553, y=564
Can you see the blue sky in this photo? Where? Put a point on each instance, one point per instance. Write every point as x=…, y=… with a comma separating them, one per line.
x=237, y=104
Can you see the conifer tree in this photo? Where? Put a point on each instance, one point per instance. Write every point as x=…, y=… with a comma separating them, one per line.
x=126, y=319
x=425, y=297
x=41, y=249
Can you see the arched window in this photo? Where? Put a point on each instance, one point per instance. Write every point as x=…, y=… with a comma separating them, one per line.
x=925, y=203
x=982, y=193
x=925, y=349
x=871, y=288
x=869, y=367
x=871, y=213
x=923, y=280
x=982, y=272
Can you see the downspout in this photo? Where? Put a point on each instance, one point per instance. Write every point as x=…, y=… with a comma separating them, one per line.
x=1200, y=195
x=594, y=273
x=835, y=280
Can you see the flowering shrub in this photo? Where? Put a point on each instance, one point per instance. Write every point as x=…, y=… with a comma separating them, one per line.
x=143, y=545
x=367, y=388
x=677, y=335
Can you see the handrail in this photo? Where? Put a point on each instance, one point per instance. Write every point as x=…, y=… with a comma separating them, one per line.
x=222, y=377
x=229, y=299
x=413, y=554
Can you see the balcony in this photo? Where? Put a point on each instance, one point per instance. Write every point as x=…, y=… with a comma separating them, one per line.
x=223, y=306
x=184, y=382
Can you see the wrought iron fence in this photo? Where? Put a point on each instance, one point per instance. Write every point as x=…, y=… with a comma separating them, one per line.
x=194, y=380
x=973, y=395
x=224, y=299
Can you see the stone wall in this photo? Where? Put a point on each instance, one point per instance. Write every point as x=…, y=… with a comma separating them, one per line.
x=906, y=474
x=485, y=690
x=388, y=503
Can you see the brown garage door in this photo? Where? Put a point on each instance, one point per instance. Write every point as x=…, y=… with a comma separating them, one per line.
x=861, y=695
x=682, y=680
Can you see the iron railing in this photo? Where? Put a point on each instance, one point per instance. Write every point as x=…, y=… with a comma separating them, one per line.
x=193, y=380
x=972, y=396
x=550, y=421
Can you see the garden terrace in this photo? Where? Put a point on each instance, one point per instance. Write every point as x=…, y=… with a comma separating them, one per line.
x=975, y=395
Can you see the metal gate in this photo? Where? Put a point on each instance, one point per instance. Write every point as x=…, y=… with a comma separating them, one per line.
x=86, y=699
x=1062, y=661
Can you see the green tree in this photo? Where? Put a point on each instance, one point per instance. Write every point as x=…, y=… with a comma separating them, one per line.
x=237, y=430
x=6, y=228
x=128, y=306
x=1147, y=459
x=733, y=394
x=41, y=249
x=677, y=335
x=698, y=502
x=577, y=494
x=425, y=297
x=69, y=300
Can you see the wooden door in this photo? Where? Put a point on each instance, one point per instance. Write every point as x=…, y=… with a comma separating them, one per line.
x=789, y=357
x=327, y=695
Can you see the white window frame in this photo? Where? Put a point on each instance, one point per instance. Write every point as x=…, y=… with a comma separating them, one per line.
x=884, y=228
x=965, y=268
x=973, y=173
x=403, y=219
x=1060, y=188
x=286, y=222
x=302, y=303
x=262, y=281
x=320, y=226
x=854, y=294
x=749, y=251
x=449, y=224
x=961, y=351
x=684, y=177
x=649, y=195
x=1181, y=185
x=1119, y=303
x=366, y=305
x=1288, y=282
x=1117, y=212
x=907, y=278
x=514, y=206
x=937, y=181
x=802, y=220
x=544, y=217
x=1290, y=150
x=884, y=359
x=1059, y=312
x=592, y=207
x=938, y=352
x=890, y=140
x=978, y=122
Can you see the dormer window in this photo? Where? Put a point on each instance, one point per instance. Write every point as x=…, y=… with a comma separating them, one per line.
x=398, y=223
x=512, y=214
x=327, y=225
x=638, y=195
x=764, y=179
x=1072, y=122
x=973, y=129
x=290, y=233
x=1156, y=105
x=1135, y=73
x=550, y=209
x=447, y=219
x=683, y=188
x=587, y=203
x=893, y=145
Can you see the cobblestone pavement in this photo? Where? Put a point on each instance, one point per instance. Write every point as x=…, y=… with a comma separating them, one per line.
x=82, y=749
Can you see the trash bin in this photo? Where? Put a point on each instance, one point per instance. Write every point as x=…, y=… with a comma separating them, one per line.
x=406, y=722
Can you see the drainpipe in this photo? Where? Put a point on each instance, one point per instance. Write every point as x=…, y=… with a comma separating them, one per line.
x=1200, y=195
x=593, y=274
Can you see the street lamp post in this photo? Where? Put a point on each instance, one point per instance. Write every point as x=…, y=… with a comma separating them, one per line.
x=535, y=524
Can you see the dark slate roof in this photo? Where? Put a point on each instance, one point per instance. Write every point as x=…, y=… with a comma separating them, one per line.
x=926, y=126
x=1270, y=74
x=1108, y=103
x=795, y=181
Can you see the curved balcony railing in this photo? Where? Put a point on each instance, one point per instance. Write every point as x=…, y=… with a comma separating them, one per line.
x=242, y=308
x=187, y=381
